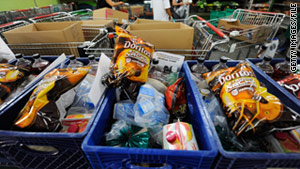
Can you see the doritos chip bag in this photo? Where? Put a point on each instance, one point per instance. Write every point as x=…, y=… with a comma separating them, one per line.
x=130, y=62
x=292, y=84
x=10, y=78
x=41, y=113
x=248, y=106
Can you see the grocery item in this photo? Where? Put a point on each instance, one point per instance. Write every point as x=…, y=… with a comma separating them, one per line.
x=249, y=108
x=179, y=136
x=150, y=108
x=265, y=66
x=129, y=64
x=282, y=70
x=93, y=63
x=126, y=135
x=158, y=85
x=292, y=84
x=176, y=100
x=46, y=105
x=75, y=123
x=39, y=64
x=21, y=62
x=199, y=68
x=11, y=77
x=123, y=110
x=74, y=63
x=221, y=65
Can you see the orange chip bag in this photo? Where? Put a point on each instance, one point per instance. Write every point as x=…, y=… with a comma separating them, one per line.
x=130, y=62
x=247, y=105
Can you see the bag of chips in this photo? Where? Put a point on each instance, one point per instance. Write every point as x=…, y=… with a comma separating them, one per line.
x=248, y=106
x=129, y=64
x=10, y=78
x=292, y=84
x=42, y=111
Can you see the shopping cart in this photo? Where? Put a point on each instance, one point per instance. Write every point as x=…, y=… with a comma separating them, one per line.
x=82, y=14
x=134, y=11
x=22, y=14
x=248, y=28
x=10, y=26
x=4, y=18
x=203, y=42
x=45, y=10
x=54, y=17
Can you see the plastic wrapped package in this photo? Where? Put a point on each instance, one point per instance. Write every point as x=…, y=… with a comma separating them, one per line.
x=123, y=134
x=129, y=64
x=292, y=84
x=11, y=77
x=46, y=105
x=249, y=108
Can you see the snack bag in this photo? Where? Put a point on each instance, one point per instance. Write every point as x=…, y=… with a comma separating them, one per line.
x=11, y=77
x=130, y=63
x=248, y=106
x=292, y=84
x=42, y=113
x=176, y=100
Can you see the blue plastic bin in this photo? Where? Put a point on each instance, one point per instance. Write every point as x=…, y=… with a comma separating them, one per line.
x=14, y=144
x=101, y=156
x=243, y=160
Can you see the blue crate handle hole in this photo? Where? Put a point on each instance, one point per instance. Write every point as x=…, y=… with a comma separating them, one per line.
x=129, y=165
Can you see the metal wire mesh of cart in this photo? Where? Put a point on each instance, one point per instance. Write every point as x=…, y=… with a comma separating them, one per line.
x=202, y=45
x=22, y=14
x=247, y=27
x=47, y=48
x=4, y=17
x=45, y=10
x=10, y=26
x=61, y=8
x=82, y=14
x=54, y=17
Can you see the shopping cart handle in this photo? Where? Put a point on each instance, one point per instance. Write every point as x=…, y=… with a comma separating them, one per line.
x=23, y=10
x=6, y=24
x=45, y=16
x=220, y=33
x=44, y=7
x=259, y=11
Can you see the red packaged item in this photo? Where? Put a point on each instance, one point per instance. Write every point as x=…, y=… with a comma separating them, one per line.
x=292, y=84
x=176, y=100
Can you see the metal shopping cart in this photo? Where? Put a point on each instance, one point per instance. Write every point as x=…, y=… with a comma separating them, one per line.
x=10, y=26
x=203, y=42
x=45, y=10
x=62, y=8
x=82, y=14
x=248, y=28
x=4, y=18
x=22, y=14
x=54, y=17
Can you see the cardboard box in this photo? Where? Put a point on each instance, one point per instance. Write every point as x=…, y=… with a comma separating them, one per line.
x=48, y=32
x=43, y=34
x=251, y=33
x=165, y=35
x=137, y=10
x=149, y=21
x=108, y=13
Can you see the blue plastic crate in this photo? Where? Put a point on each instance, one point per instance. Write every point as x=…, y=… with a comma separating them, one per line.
x=14, y=144
x=105, y=157
x=243, y=160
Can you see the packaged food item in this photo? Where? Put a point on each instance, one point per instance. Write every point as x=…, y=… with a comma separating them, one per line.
x=150, y=108
x=265, y=66
x=123, y=110
x=292, y=84
x=22, y=62
x=43, y=110
x=282, y=142
x=39, y=64
x=123, y=134
x=249, y=108
x=74, y=63
x=11, y=77
x=129, y=64
x=282, y=70
x=179, y=136
x=75, y=123
x=176, y=100
x=221, y=64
